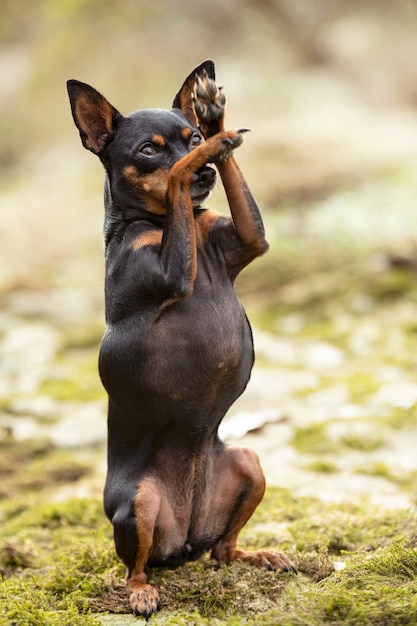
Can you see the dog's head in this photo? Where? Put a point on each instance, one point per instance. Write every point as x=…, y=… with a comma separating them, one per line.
x=139, y=150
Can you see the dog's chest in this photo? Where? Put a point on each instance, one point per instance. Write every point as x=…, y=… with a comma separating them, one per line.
x=211, y=325
x=200, y=344
x=197, y=350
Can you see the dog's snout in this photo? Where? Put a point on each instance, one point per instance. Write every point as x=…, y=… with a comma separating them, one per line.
x=205, y=176
x=202, y=182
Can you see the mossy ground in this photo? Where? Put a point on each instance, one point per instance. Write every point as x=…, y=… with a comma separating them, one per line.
x=58, y=567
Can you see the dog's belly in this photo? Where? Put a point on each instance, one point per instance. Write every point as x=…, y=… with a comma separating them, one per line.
x=191, y=361
x=209, y=343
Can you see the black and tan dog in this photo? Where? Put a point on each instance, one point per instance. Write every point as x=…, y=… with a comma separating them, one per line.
x=178, y=347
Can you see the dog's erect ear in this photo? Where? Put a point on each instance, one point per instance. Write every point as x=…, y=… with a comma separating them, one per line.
x=94, y=116
x=183, y=99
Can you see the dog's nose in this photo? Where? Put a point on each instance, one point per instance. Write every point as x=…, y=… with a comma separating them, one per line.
x=205, y=176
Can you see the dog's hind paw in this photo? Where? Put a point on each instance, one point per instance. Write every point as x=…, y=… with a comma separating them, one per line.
x=273, y=561
x=144, y=600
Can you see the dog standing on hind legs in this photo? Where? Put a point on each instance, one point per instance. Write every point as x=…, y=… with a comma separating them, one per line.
x=178, y=348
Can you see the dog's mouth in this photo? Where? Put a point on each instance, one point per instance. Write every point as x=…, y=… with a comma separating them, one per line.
x=198, y=198
x=202, y=182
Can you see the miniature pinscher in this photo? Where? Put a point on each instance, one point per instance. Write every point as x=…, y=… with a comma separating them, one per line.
x=178, y=348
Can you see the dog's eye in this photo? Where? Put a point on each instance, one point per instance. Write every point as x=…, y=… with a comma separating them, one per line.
x=196, y=140
x=147, y=150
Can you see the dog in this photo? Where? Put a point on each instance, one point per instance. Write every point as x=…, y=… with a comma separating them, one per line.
x=178, y=349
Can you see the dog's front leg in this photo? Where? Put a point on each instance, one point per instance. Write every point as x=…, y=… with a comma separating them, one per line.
x=178, y=250
x=209, y=105
x=246, y=216
x=144, y=598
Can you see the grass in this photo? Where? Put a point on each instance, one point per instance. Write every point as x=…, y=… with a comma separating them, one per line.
x=58, y=566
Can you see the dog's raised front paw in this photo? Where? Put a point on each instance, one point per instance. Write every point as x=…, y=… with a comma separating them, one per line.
x=209, y=103
x=223, y=144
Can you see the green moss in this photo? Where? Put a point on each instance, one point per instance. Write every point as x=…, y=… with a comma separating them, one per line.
x=83, y=386
x=376, y=468
x=219, y=591
x=393, y=284
x=14, y=558
x=407, y=481
x=364, y=443
x=36, y=465
x=76, y=377
x=399, y=418
x=361, y=385
x=83, y=336
x=28, y=609
x=312, y=439
x=15, y=456
x=378, y=589
x=321, y=466
x=60, y=567
x=58, y=468
x=70, y=549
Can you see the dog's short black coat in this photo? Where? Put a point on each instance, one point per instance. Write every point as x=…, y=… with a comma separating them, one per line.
x=178, y=347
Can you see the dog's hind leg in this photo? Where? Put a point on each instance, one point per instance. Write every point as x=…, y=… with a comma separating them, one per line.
x=235, y=495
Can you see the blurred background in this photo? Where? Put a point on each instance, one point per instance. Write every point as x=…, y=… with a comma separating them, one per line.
x=329, y=90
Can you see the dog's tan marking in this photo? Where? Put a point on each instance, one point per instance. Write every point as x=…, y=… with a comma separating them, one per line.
x=205, y=224
x=186, y=133
x=144, y=598
x=159, y=140
x=151, y=188
x=150, y=238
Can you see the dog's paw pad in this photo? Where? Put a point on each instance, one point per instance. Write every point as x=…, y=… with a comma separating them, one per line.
x=209, y=100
